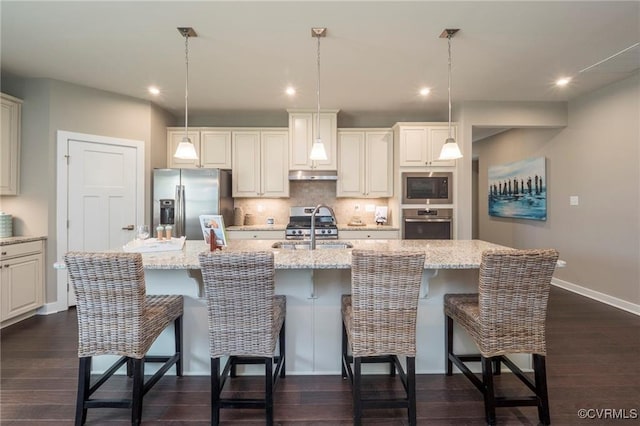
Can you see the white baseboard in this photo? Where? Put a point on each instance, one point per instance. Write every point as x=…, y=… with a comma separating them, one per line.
x=596, y=295
x=51, y=308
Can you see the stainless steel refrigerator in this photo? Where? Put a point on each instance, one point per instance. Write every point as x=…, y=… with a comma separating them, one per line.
x=181, y=195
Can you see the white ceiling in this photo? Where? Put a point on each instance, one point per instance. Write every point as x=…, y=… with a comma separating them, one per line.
x=374, y=59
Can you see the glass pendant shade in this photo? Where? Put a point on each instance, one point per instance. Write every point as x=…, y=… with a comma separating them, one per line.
x=450, y=150
x=186, y=150
x=317, y=151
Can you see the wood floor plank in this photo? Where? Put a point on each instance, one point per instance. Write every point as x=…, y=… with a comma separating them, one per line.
x=592, y=362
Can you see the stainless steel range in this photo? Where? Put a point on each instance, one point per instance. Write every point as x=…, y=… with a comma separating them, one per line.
x=299, y=226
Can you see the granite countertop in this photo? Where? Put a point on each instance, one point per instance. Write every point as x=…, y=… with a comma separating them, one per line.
x=17, y=240
x=441, y=254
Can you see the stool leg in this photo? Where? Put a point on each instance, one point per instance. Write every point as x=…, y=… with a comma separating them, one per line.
x=411, y=390
x=268, y=366
x=497, y=370
x=344, y=350
x=138, y=391
x=177, y=329
x=489, y=396
x=215, y=391
x=129, y=368
x=392, y=367
x=357, y=398
x=540, y=373
x=84, y=379
x=234, y=369
x=283, y=350
x=448, y=337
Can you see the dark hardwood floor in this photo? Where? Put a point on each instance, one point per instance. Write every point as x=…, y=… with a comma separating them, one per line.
x=593, y=363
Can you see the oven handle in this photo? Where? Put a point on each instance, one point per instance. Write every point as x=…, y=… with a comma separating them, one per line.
x=411, y=220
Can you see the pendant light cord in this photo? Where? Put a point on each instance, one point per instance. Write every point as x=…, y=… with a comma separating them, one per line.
x=318, y=95
x=449, y=82
x=186, y=87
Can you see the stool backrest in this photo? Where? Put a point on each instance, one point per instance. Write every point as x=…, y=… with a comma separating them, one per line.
x=239, y=289
x=110, y=302
x=385, y=287
x=513, y=295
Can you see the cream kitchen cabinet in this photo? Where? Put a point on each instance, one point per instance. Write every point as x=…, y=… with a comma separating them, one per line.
x=10, y=145
x=369, y=234
x=365, y=163
x=420, y=144
x=260, y=163
x=22, y=274
x=238, y=234
x=302, y=132
x=213, y=146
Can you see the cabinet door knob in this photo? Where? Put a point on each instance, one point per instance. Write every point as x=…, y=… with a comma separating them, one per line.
x=4, y=253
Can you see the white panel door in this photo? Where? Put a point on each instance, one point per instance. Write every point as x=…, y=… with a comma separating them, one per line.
x=102, y=196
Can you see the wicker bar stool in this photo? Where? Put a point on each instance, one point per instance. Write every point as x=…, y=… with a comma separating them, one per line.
x=116, y=317
x=506, y=317
x=246, y=321
x=379, y=323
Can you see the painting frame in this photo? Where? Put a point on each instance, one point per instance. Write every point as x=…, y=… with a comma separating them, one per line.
x=518, y=189
x=213, y=222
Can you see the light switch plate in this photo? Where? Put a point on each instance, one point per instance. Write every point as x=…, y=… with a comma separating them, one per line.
x=574, y=200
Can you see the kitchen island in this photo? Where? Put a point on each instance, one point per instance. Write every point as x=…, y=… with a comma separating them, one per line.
x=313, y=281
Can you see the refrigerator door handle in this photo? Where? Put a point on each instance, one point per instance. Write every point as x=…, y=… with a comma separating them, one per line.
x=183, y=213
x=178, y=213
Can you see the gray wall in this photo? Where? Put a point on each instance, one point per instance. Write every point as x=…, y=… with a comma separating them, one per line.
x=51, y=105
x=597, y=158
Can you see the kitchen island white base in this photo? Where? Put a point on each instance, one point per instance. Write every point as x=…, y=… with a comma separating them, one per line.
x=313, y=320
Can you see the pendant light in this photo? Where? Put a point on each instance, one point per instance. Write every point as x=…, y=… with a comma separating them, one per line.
x=318, y=151
x=186, y=150
x=450, y=149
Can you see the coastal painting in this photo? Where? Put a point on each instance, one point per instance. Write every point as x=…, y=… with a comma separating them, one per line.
x=518, y=190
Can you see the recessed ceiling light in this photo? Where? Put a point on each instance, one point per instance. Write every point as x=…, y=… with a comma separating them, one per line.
x=154, y=90
x=290, y=91
x=425, y=91
x=563, y=81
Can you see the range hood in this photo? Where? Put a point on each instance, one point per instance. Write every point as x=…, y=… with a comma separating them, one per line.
x=313, y=175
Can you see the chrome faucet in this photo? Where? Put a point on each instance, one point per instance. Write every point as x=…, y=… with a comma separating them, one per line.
x=313, y=222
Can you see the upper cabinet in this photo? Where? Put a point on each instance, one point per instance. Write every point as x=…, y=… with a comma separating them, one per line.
x=420, y=144
x=365, y=163
x=10, y=145
x=213, y=146
x=302, y=131
x=260, y=160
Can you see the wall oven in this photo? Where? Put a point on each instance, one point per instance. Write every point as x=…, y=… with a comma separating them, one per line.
x=427, y=188
x=427, y=224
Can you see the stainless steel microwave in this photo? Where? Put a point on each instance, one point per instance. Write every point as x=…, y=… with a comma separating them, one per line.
x=427, y=188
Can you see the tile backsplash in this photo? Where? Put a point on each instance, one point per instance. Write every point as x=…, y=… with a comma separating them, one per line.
x=304, y=193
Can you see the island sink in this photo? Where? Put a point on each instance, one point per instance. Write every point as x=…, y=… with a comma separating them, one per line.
x=306, y=245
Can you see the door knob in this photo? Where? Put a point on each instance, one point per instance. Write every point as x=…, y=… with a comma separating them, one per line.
x=128, y=228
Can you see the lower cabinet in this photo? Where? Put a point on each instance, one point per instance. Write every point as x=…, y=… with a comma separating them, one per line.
x=22, y=274
x=386, y=234
x=255, y=235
